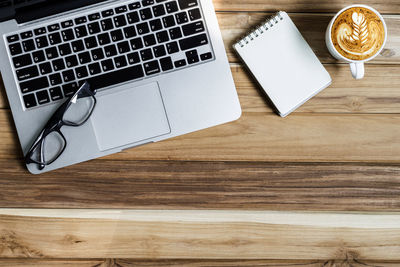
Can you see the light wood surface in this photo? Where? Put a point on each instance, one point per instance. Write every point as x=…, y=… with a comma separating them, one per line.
x=340, y=152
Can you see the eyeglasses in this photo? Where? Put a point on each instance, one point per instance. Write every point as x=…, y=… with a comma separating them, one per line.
x=51, y=143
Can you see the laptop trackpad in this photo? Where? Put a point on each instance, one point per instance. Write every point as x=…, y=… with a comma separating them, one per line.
x=129, y=117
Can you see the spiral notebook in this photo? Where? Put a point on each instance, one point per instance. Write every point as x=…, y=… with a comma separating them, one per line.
x=283, y=63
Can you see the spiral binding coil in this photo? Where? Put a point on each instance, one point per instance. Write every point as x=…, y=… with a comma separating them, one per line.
x=260, y=29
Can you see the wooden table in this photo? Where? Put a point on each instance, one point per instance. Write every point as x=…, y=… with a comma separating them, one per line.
x=319, y=188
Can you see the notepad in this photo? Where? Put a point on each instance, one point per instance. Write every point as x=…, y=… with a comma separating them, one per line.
x=283, y=63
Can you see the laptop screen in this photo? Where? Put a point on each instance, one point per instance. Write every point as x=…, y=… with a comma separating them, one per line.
x=27, y=10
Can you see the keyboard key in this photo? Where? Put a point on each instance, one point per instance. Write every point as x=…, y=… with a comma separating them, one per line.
x=41, y=42
x=133, y=58
x=129, y=32
x=54, y=27
x=159, y=10
x=145, y=14
x=136, y=43
x=146, y=54
x=34, y=85
x=133, y=17
x=94, y=68
x=43, y=97
x=175, y=33
x=149, y=40
x=93, y=28
x=45, y=68
x=104, y=39
x=90, y=42
x=55, y=93
x=68, y=35
x=30, y=101
x=81, y=72
x=84, y=57
x=40, y=31
x=162, y=37
x=13, y=38
x=193, y=28
x=192, y=42
x=194, y=14
x=110, y=50
x=107, y=24
x=159, y=51
x=70, y=89
x=68, y=76
x=152, y=67
x=184, y=4
x=180, y=63
x=155, y=25
x=78, y=46
x=117, y=35
x=80, y=20
x=27, y=73
x=55, y=38
x=192, y=56
x=97, y=54
x=38, y=56
x=58, y=64
x=171, y=7
x=120, y=62
x=147, y=2
x=166, y=63
x=67, y=24
x=169, y=21
x=206, y=56
x=81, y=31
x=107, y=65
x=71, y=61
x=120, y=21
x=28, y=45
x=64, y=49
x=116, y=77
x=123, y=47
x=121, y=9
x=15, y=49
x=93, y=17
x=172, y=48
x=26, y=35
x=181, y=18
x=134, y=6
x=143, y=28
x=22, y=61
x=55, y=79
x=107, y=13
x=51, y=53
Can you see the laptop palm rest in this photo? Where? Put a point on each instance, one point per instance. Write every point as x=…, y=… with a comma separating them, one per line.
x=130, y=116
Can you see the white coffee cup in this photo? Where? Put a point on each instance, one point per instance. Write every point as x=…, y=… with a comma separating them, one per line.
x=356, y=66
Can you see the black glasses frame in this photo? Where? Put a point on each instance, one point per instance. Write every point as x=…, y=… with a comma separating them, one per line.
x=55, y=123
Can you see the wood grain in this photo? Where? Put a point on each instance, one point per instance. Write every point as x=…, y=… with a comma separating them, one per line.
x=234, y=25
x=389, y=6
x=231, y=235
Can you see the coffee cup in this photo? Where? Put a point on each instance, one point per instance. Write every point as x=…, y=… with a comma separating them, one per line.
x=356, y=34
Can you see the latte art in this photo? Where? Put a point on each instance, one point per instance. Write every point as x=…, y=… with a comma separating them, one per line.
x=358, y=33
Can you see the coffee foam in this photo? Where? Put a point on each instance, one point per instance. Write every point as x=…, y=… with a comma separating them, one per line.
x=358, y=33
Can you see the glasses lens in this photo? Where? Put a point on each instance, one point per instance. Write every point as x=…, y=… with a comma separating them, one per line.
x=50, y=149
x=79, y=111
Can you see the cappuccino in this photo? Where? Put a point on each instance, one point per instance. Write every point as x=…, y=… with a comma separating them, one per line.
x=358, y=33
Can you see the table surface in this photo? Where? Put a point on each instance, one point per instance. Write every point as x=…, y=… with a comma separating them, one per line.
x=339, y=152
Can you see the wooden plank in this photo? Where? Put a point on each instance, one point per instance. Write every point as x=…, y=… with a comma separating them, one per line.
x=191, y=263
x=194, y=234
x=312, y=26
x=390, y=6
x=204, y=185
x=266, y=137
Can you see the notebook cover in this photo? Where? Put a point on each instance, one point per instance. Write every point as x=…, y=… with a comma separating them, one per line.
x=283, y=63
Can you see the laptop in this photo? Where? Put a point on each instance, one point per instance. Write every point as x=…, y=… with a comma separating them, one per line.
x=159, y=67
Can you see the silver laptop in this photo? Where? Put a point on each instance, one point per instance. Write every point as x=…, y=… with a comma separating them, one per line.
x=159, y=66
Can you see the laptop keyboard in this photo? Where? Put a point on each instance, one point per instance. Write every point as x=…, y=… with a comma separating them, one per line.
x=127, y=42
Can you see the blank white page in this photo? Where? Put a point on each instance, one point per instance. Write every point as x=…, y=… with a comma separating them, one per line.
x=284, y=65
